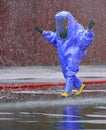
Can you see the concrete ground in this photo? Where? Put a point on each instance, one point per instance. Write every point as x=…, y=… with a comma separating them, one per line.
x=40, y=74
x=29, y=75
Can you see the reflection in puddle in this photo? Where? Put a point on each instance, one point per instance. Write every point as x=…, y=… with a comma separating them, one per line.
x=71, y=119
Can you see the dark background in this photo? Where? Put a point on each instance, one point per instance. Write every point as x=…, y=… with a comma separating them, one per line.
x=20, y=45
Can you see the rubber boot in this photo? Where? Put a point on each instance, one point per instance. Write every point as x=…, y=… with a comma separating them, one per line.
x=65, y=94
x=80, y=90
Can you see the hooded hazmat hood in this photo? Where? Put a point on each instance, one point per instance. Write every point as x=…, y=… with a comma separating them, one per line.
x=66, y=25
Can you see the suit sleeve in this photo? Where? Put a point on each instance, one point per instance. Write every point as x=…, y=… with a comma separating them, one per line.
x=86, y=38
x=51, y=37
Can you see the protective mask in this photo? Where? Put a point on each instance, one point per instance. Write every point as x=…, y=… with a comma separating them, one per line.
x=61, y=27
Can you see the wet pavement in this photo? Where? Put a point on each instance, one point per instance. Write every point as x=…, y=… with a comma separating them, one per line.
x=72, y=117
x=45, y=109
x=39, y=74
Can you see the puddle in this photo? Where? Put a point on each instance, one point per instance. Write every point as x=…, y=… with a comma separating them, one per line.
x=67, y=117
x=46, y=110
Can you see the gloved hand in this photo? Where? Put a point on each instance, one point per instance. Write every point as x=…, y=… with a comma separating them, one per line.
x=38, y=30
x=91, y=24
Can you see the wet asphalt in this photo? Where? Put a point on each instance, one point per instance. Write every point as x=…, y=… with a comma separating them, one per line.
x=41, y=74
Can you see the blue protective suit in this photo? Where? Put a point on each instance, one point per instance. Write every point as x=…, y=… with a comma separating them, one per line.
x=72, y=49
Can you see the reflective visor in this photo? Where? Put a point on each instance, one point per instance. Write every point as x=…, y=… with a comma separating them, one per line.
x=62, y=27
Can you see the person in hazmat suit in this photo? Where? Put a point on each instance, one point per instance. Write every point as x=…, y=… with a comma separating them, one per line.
x=71, y=41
